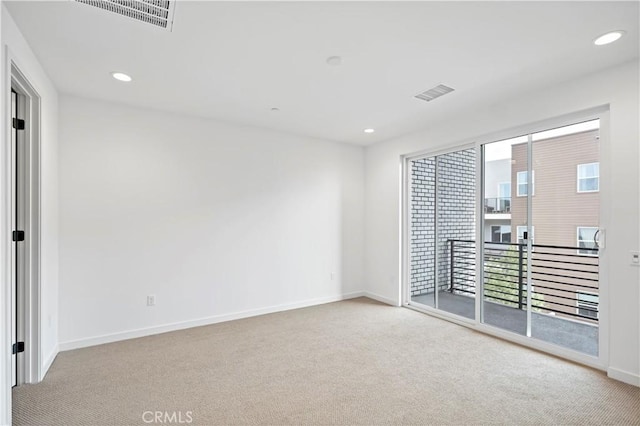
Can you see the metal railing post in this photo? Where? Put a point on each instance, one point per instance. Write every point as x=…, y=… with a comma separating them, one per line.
x=451, y=266
x=520, y=290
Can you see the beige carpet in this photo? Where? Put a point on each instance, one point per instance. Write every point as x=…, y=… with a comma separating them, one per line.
x=352, y=362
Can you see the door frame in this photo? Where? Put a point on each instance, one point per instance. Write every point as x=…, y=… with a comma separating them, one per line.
x=29, y=315
x=405, y=237
x=601, y=112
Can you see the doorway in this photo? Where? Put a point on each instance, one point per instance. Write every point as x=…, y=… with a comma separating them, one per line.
x=23, y=191
x=17, y=222
x=442, y=230
x=543, y=281
x=505, y=236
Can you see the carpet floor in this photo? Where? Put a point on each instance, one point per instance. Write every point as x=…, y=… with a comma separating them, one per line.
x=351, y=362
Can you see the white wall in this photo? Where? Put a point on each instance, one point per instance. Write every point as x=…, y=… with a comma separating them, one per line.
x=617, y=87
x=217, y=221
x=14, y=47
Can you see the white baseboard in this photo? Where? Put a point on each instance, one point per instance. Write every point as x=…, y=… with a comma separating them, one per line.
x=624, y=376
x=381, y=299
x=48, y=361
x=142, y=332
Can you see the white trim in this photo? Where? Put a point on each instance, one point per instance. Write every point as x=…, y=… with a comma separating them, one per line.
x=442, y=314
x=381, y=299
x=436, y=152
x=624, y=376
x=580, y=116
x=604, y=222
x=32, y=365
x=405, y=220
x=148, y=331
x=5, y=248
x=49, y=360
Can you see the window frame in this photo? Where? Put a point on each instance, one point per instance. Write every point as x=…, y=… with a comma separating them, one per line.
x=590, y=253
x=502, y=234
x=585, y=304
x=533, y=183
x=578, y=178
x=533, y=233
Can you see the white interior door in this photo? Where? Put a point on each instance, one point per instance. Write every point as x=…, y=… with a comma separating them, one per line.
x=18, y=218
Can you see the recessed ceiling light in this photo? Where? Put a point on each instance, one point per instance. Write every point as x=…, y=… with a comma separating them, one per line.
x=334, y=60
x=121, y=76
x=608, y=38
x=369, y=130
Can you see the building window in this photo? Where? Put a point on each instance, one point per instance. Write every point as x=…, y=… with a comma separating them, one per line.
x=520, y=233
x=522, y=178
x=587, y=241
x=504, y=197
x=587, y=305
x=589, y=177
x=500, y=233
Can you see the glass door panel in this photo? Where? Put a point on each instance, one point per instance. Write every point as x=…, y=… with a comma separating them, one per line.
x=456, y=227
x=565, y=213
x=442, y=231
x=505, y=254
x=540, y=255
x=422, y=232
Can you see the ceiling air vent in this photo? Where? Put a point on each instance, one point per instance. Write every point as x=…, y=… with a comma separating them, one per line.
x=436, y=92
x=154, y=12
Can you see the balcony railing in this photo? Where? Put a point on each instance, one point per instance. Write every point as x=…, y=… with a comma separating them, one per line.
x=497, y=205
x=564, y=279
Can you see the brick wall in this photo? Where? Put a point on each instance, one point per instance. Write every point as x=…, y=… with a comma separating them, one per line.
x=456, y=214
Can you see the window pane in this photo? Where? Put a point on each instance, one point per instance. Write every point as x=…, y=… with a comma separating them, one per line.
x=522, y=189
x=587, y=234
x=589, y=184
x=504, y=190
x=588, y=298
x=588, y=170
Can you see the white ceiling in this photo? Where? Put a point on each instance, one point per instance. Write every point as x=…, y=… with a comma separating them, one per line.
x=234, y=61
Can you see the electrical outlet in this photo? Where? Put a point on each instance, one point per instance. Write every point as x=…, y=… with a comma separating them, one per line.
x=151, y=300
x=635, y=258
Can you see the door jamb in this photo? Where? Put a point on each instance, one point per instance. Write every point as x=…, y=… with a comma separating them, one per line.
x=30, y=312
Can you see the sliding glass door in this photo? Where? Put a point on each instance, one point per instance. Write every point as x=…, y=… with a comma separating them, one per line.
x=507, y=235
x=540, y=249
x=442, y=231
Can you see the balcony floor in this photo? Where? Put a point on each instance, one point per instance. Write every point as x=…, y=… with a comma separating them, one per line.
x=570, y=334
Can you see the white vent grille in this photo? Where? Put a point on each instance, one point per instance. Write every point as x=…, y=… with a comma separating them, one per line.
x=436, y=92
x=154, y=12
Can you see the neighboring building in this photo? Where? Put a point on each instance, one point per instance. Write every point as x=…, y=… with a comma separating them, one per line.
x=565, y=193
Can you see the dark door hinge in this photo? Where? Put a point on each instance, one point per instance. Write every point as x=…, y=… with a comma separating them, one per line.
x=18, y=235
x=18, y=124
x=17, y=348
